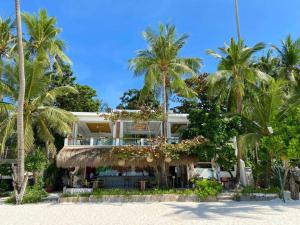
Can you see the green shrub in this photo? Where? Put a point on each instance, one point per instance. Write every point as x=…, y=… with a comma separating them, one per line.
x=205, y=188
x=33, y=194
x=115, y=191
x=4, y=188
x=251, y=190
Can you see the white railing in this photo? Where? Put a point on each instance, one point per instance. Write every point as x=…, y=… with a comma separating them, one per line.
x=91, y=141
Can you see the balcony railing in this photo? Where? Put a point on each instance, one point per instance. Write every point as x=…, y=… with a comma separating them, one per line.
x=90, y=141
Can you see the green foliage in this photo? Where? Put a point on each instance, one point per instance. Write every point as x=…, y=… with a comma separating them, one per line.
x=5, y=170
x=205, y=188
x=43, y=43
x=84, y=100
x=284, y=143
x=101, y=192
x=4, y=187
x=51, y=174
x=41, y=118
x=32, y=194
x=218, y=128
x=131, y=99
x=234, y=74
x=7, y=39
x=250, y=190
x=116, y=191
x=161, y=60
x=36, y=161
x=145, y=114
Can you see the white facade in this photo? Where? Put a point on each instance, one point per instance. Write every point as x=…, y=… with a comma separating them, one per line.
x=94, y=129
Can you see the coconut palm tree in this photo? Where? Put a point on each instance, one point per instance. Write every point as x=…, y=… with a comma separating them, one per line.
x=260, y=112
x=234, y=74
x=162, y=66
x=289, y=54
x=41, y=118
x=44, y=43
x=7, y=42
x=19, y=176
x=7, y=39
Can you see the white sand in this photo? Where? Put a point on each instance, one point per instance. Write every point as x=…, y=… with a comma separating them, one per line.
x=242, y=213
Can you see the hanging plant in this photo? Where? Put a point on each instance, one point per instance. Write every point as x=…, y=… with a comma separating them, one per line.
x=158, y=148
x=121, y=162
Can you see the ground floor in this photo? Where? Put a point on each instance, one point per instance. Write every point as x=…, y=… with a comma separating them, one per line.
x=131, y=177
x=175, y=213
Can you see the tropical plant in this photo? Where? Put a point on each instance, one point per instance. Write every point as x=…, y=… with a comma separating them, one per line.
x=289, y=54
x=7, y=39
x=260, y=112
x=207, y=188
x=162, y=66
x=44, y=43
x=234, y=74
x=41, y=118
x=131, y=100
x=284, y=143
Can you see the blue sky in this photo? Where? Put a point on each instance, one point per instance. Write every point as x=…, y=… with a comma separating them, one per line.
x=101, y=35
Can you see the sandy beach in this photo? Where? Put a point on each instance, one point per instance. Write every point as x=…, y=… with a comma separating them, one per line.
x=173, y=213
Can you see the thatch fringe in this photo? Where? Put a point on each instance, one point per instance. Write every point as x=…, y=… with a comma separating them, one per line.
x=70, y=157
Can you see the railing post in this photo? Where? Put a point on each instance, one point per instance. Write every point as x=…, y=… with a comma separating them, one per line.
x=66, y=142
x=91, y=141
x=142, y=141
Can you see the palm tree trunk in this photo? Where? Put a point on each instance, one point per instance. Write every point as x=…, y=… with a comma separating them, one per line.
x=237, y=19
x=165, y=112
x=239, y=106
x=21, y=177
x=163, y=178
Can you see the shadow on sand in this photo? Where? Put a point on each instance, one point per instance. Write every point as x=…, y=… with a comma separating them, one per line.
x=212, y=210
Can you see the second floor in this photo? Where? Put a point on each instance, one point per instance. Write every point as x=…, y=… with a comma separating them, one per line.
x=94, y=129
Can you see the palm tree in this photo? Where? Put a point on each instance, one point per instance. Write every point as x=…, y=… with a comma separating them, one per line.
x=21, y=178
x=234, y=74
x=162, y=66
x=289, y=54
x=41, y=118
x=7, y=39
x=260, y=112
x=7, y=42
x=44, y=43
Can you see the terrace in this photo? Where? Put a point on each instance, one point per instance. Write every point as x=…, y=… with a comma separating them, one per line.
x=94, y=130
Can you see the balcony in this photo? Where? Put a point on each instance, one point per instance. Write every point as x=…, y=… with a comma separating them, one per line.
x=110, y=142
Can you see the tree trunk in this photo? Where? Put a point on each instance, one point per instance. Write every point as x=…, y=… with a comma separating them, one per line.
x=20, y=181
x=268, y=171
x=237, y=19
x=239, y=102
x=163, y=174
x=165, y=111
x=294, y=188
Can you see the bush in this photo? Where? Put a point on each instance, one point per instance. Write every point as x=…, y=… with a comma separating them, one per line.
x=4, y=188
x=33, y=194
x=205, y=188
x=250, y=190
x=116, y=191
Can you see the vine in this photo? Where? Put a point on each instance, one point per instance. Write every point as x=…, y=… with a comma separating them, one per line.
x=143, y=115
x=159, y=148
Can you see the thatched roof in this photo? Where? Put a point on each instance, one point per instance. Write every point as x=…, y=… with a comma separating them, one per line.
x=82, y=157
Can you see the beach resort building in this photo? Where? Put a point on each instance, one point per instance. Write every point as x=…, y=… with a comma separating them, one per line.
x=89, y=151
